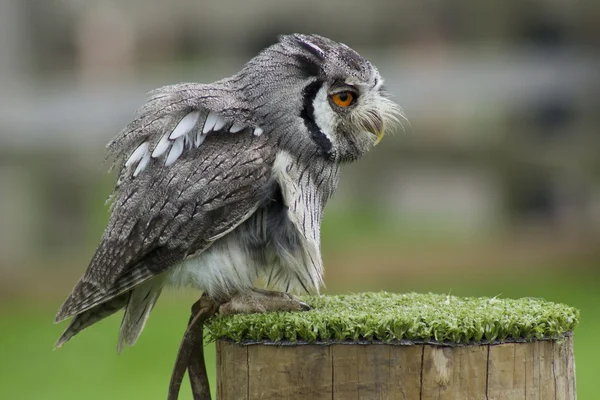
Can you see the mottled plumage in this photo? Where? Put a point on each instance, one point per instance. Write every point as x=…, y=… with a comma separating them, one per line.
x=220, y=184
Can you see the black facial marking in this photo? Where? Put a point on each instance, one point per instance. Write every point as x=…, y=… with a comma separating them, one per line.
x=309, y=66
x=307, y=114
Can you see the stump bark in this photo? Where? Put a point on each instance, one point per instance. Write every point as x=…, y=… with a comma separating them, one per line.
x=534, y=370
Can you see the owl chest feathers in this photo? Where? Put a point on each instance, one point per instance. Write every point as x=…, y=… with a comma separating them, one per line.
x=278, y=244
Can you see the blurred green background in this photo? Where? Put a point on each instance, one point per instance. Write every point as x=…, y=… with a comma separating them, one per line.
x=492, y=189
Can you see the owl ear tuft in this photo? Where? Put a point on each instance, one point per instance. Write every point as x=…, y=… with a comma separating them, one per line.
x=306, y=42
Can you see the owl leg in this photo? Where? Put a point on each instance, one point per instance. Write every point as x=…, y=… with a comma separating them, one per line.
x=190, y=356
x=261, y=301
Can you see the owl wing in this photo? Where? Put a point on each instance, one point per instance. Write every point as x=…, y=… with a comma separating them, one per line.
x=190, y=175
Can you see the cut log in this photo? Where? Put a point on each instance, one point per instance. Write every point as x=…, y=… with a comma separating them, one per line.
x=512, y=371
x=389, y=346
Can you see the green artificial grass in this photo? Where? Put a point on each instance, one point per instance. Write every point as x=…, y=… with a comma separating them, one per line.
x=402, y=318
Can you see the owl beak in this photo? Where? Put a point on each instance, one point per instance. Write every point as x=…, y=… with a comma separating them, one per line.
x=379, y=135
x=377, y=128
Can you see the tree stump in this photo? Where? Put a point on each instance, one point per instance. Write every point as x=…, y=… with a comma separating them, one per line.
x=389, y=346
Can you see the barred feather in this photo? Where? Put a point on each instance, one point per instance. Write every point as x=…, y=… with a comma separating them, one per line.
x=141, y=301
x=90, y=317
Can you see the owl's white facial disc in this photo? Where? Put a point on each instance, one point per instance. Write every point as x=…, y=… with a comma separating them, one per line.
x=324, y=116
x=340, y=103
x=345, y=128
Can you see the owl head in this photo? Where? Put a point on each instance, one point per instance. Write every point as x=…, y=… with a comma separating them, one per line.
x=320, y=95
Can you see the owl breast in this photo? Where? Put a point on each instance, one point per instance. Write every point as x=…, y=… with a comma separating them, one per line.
x=278, y=244
x=258, y=249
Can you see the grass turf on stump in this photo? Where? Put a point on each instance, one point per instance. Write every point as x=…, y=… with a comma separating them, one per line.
x=399, y=346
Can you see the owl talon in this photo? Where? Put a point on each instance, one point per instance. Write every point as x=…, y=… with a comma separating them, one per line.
x=262, y=301
x=204, y=304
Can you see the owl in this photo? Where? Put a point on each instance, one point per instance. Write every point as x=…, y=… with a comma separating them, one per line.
x=222, y=185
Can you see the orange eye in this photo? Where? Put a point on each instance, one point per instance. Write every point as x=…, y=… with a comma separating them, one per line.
x=343, y=99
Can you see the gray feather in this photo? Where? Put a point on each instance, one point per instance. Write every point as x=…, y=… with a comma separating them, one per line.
x=90, y=317
x=154, y=225
x=141, y=301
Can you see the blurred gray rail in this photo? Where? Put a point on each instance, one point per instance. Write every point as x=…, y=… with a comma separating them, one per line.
x=52, y=113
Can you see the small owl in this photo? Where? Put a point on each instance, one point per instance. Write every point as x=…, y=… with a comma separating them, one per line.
x=223, y=184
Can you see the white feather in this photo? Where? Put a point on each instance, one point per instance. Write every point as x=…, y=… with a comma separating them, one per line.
x=137, y=154
x=199, y=139
x=258, y=131
x=142, y=165
x=162, y=146
x=236, y=127
x=210, y=122
x=225, y=267
x=175, y=152
x=314, y=46
x=300, y=200
x=220, y=123
x=140, y=304
x=325, y=117
x=186, y=124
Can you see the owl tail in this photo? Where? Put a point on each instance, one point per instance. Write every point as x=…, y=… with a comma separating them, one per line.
x=91, y=316
x=140, y=302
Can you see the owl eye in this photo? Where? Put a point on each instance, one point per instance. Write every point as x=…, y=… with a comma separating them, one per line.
x=343, y=99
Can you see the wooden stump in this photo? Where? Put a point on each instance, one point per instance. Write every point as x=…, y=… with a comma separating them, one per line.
x=510, y=371
x=399, y=346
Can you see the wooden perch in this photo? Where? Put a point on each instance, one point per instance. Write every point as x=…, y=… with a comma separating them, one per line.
x=392, y=346
x=511, y=371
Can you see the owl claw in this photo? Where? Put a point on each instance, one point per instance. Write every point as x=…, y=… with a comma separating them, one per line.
x=262, y=301
x=205, y=304
x=305, y=306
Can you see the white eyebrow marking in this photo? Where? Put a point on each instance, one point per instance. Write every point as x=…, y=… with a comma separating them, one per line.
x=352, y=82
x=258, y=131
